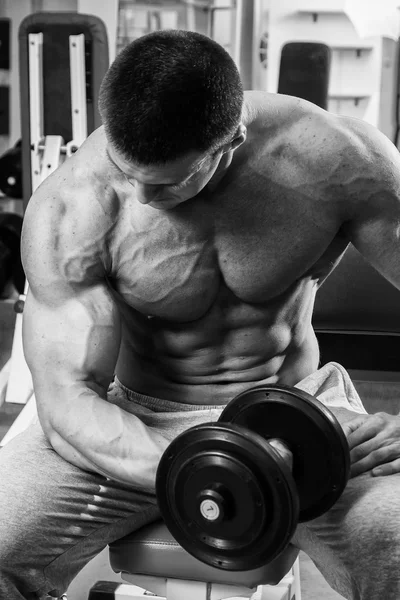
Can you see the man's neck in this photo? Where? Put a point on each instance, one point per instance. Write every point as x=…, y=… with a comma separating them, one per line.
x=220, y=172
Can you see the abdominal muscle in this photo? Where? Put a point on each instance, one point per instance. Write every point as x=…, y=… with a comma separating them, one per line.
x=233, y=347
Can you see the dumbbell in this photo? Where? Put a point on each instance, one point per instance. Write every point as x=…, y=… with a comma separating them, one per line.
x=232, y=492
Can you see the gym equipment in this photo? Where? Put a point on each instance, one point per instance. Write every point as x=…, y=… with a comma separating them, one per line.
x=233, y=492
x=63, y=58
x=153, y=560
x=10, y=252
x=312, y=434
x=304, y=71
x=11, y=172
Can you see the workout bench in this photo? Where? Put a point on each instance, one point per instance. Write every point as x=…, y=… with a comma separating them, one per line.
x=152, y=560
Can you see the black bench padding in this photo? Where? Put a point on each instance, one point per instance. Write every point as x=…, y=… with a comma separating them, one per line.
x=153, y=551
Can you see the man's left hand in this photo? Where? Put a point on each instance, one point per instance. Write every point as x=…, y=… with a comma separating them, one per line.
x=374, y=442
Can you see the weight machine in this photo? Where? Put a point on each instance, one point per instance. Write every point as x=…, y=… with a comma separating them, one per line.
x=43, y=150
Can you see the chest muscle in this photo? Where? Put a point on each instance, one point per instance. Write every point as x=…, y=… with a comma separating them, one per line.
x=173, y=268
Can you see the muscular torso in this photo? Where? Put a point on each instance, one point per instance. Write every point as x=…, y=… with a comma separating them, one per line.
x=222, y=291
x=216, y=295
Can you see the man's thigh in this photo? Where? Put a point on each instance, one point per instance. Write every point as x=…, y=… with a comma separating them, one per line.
x=56, y=517
x=356, y=544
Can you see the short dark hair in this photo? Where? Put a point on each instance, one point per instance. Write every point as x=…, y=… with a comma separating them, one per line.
x=169, y=93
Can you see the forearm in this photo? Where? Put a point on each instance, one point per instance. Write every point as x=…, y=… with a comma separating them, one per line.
x=100, y=437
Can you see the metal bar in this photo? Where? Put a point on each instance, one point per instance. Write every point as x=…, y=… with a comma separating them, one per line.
x=35, y=58
x=255, y=46
x=78, y=88
x=196, y=4
x=237, y=36
x=212, y=10
x=51, y=154
x=4, y=375
x=64, y=149
x=211, y=23
x=25, y=418
x=244, y=53
x=206, y=6
x=19, y=385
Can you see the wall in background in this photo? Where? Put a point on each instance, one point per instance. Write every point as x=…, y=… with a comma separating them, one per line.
x=364, y=69
x=15, y=11
x=266, y=41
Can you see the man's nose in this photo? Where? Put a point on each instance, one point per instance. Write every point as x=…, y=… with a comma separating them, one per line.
x=146, y=193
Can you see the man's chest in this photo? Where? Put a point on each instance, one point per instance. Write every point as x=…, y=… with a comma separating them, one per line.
x=173, y=264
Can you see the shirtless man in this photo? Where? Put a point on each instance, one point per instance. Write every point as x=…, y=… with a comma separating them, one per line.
x=173, y=262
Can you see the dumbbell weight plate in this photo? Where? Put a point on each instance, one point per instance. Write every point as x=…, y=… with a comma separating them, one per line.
x=321, y=458
x=227, y=496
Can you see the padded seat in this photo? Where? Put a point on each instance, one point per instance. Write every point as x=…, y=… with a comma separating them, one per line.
x=152, y=551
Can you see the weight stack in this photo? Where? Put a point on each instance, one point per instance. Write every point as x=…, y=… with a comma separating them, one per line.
x=304, y=71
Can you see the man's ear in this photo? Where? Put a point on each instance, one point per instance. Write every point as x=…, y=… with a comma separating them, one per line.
x=238, y=139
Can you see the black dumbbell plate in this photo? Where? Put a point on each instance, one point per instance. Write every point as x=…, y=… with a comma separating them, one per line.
x=321, y=458
x=259, y=508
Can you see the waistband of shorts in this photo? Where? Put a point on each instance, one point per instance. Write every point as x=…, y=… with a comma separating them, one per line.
x=160, y=404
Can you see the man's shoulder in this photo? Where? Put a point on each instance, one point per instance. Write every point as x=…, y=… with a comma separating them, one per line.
x=337, y=139
x=351, y=152
x=75, y=209
x=343, y=160
x=80, y=189
x=328, y=144
x=351, y=161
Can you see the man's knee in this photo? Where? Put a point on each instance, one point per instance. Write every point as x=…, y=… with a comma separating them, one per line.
x=373, y=509
x=20, y=575
x=372, y=528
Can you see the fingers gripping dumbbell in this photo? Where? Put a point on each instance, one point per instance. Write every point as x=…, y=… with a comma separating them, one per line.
x=233, y=492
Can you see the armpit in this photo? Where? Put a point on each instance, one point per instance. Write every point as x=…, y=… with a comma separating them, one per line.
x=83, y=263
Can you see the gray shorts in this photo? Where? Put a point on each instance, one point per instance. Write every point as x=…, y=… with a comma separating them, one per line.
x=54, y=517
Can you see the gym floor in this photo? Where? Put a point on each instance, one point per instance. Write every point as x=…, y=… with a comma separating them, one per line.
x=313, y=585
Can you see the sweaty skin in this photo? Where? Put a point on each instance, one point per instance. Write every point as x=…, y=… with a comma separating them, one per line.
x=196, y=301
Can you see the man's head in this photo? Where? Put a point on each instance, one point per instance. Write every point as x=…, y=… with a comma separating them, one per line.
x=171, y=99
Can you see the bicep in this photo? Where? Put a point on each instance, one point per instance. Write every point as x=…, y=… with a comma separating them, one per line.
x=377, y=239
x=71, y=346
x=71, y=325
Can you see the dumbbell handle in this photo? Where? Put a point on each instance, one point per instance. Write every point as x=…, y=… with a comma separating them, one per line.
x=212, y=502
x=283, y=449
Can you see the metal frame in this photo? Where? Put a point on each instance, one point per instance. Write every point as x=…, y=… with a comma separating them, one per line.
x=180, y=589
x=36, y=103
x=78, y=89
x=206, y=7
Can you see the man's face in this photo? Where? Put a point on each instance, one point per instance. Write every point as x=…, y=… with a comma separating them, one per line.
x=166, y=186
